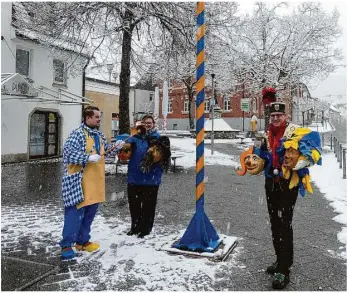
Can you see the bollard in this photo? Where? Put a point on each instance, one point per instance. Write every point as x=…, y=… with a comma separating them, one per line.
x=344, y=164
x=340, y=155
x=335, y=147
x=331, y=142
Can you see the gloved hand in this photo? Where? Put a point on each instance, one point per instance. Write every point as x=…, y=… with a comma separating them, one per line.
x=301, y=164
x=94, y=158
x=118, y=144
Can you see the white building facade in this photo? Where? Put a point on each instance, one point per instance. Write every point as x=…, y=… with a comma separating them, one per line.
x=40, y=103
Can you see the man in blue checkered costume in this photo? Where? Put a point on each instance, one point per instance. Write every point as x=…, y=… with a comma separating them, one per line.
x=83, y=183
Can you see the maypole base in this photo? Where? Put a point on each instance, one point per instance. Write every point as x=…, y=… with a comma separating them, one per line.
x=221, y=253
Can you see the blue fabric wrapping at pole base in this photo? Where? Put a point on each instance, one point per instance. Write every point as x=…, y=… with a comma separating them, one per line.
x=200, y=235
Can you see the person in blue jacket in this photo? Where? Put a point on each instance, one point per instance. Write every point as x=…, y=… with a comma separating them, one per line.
x=143, y=185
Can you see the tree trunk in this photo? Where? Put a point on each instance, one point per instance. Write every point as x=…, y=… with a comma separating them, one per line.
x=124, y=87
x=190, y=92
x=190, y=114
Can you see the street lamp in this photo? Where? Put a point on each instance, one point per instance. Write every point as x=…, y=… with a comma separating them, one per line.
x=212, y=108
x=109, y=69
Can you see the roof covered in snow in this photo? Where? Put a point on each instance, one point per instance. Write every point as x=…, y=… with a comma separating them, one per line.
x=219, y=124
x=320, y=127
x=101, y=73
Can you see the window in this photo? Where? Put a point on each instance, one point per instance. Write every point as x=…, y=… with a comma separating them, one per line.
x=226, y=104
x=255, y=108
x=23, y=62
x=151, y=97
x=186, y=106
x=207, y=106
x=169, y=108
x=59, y=75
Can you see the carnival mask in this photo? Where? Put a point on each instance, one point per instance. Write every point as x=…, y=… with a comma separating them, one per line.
x=125, y=153
x=158, y=152
x=251, y=163
x=291, y=157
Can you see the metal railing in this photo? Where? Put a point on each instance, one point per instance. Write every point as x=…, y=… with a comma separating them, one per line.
x=340, y=154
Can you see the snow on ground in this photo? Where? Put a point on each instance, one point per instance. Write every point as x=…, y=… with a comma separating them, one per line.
x=142, y=263
x=328, y=178
x=188, y=148
x=123, y=262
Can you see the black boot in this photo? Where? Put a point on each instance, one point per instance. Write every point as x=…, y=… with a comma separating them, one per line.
x=272, y=268
x=280, y=281
x=132, y=232
x=142, y=234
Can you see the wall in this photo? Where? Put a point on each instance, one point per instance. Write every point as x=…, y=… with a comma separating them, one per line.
x=15, y=125
x=142, y=102
x=106, y=98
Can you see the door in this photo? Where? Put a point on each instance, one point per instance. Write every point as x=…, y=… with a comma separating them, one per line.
x=44, y=134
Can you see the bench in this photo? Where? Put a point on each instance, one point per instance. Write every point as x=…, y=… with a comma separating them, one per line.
x=241, y=137
x=119, y=163
x=174, y=157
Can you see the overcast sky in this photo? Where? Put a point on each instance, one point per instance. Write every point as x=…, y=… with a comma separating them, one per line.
x=336, y=84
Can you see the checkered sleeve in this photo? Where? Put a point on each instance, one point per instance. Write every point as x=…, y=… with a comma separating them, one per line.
x=75, y=149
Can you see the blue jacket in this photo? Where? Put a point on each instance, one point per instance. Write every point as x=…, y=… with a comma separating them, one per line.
x=135, y=175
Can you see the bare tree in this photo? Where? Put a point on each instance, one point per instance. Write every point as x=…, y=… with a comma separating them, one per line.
x=101, y=26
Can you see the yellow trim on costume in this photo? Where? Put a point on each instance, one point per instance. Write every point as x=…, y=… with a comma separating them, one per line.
x=302, y=132
x=294, y=181
x=291, y=143
x=297, y=134
x=315, y=156
x=286, y=173
x=307, y=184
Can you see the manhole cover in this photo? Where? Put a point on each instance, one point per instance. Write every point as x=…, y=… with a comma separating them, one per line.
x=18, y=274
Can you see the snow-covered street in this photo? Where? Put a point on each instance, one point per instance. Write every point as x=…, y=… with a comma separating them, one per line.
x=31, y=228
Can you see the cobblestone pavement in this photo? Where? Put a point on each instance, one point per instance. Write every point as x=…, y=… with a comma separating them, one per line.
x=31, y=214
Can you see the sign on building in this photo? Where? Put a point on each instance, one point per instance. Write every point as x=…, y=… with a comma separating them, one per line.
x=245, y=105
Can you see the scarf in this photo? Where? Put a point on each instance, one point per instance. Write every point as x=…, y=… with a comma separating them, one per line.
x=275, y=135
x=96, y=136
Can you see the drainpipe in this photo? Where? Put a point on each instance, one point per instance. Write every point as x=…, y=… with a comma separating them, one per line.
x=83, y=89
x=134, y=115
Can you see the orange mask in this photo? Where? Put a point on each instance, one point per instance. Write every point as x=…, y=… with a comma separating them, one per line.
x=291, y=157
x=251, y=163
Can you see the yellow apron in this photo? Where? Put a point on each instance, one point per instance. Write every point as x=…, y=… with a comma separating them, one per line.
x=93, y=179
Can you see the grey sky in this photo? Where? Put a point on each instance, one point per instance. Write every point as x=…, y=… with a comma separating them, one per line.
x=336, y=84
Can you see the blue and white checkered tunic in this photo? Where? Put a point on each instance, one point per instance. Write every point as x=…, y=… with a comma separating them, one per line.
x=75, y=153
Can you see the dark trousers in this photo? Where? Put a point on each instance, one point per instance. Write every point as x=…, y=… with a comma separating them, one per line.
x=280, y=202
x=77, y=224
x=142, y=202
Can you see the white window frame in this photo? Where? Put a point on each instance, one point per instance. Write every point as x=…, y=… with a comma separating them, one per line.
x=207, y=105
x=226, y=104
x=255, y=104
x=186, y=106
x=64, y=82
x=30, y=57
x=169, y=106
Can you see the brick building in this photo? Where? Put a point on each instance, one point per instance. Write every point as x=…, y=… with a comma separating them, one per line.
x=230, y=104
